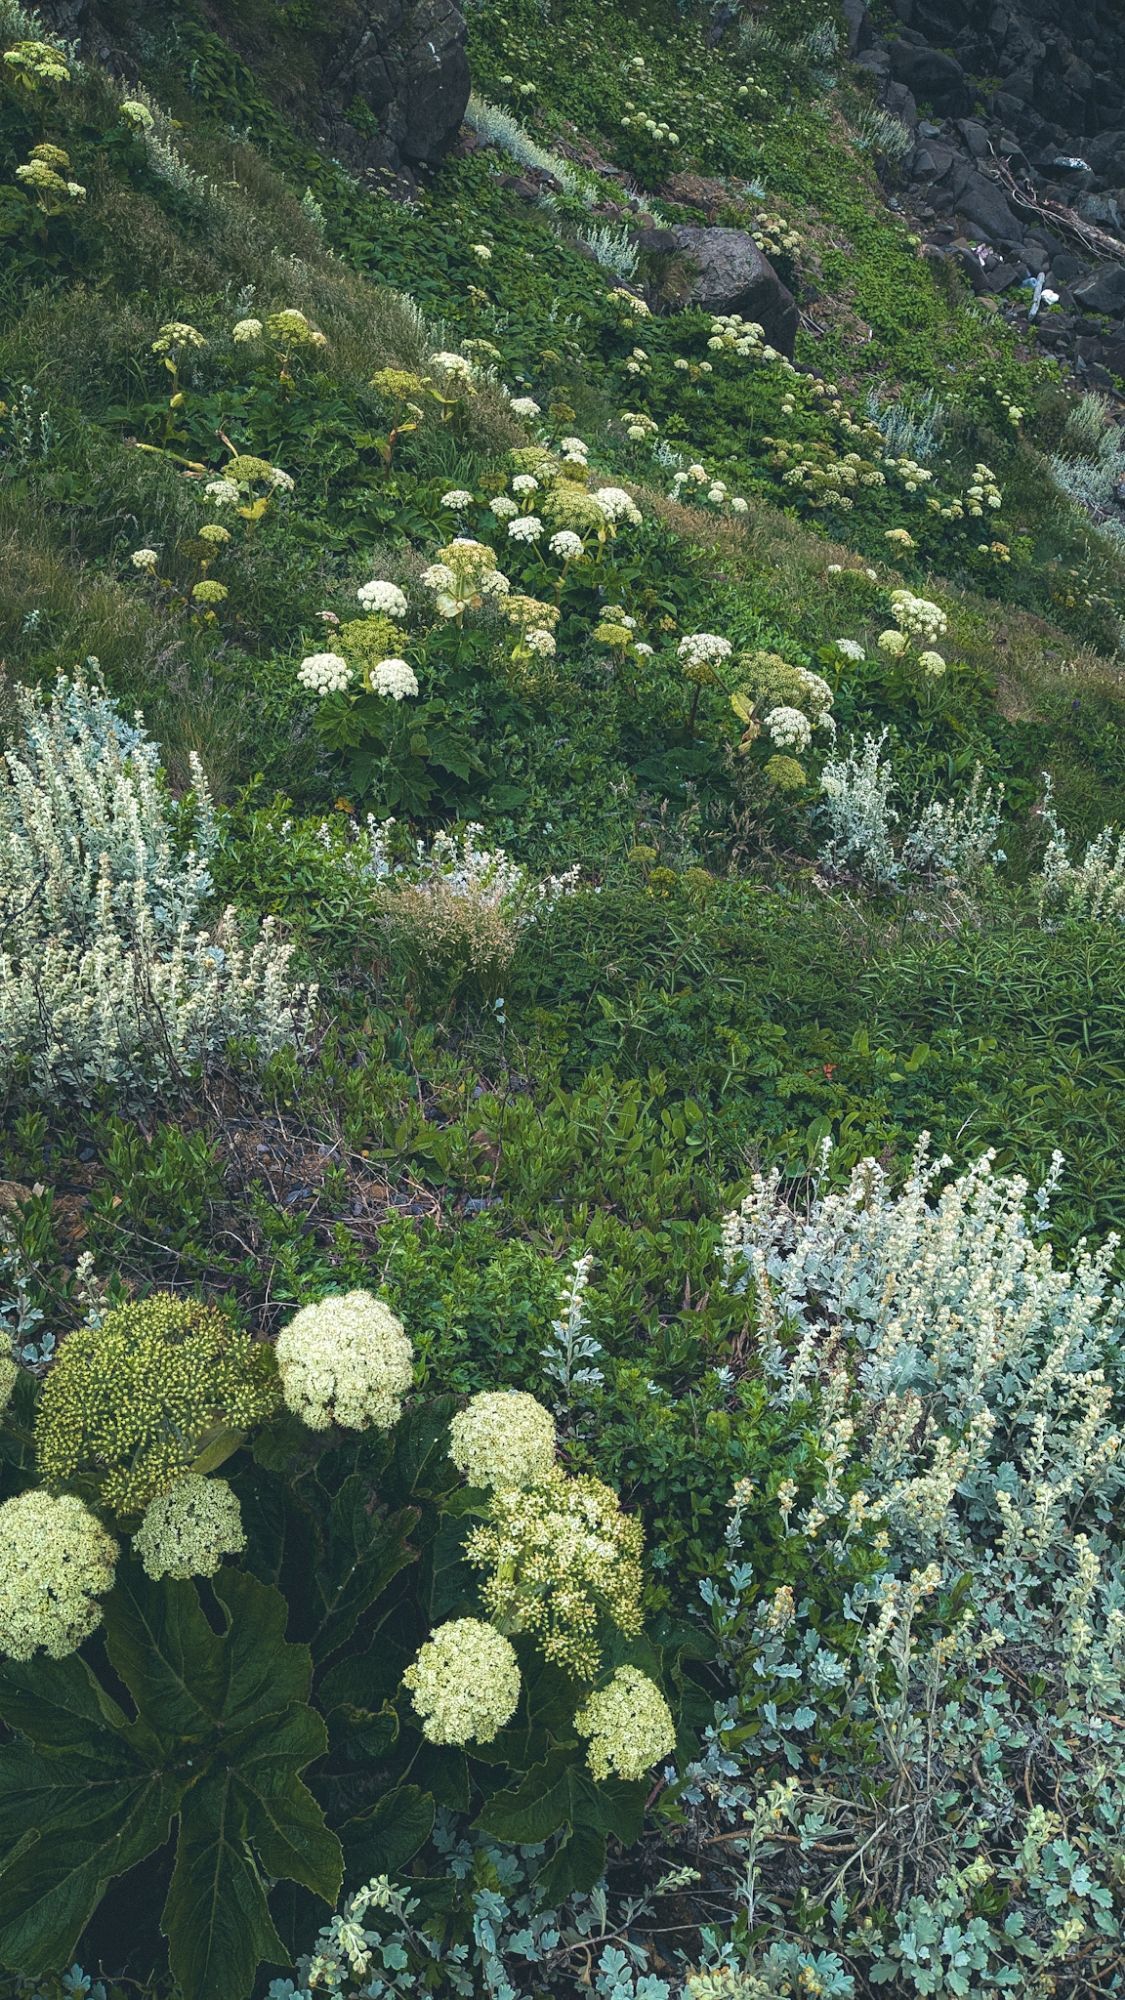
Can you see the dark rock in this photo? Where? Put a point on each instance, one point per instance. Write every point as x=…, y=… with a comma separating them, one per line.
x=858, y=22
x=984, y=203
x=932, y=76
x=734, y=277
x=899, y=101
x=406, y=60
x=1104, y=292
x=975, y=136
x=1066, y=267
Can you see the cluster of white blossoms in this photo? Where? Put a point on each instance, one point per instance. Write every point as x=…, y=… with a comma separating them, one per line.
x=617, y=505
x=144, y=559
x=524, y=406
x=628, y=1726
x=347, y=1361
x=566, y=544
x=465, y=1683
x=850, y=649
x=324, y=673
x=504, y=508
x=703, y=649
x=454, y=366
x=458, y=498
x=525, y=528
x=247, y=330
x=983, y=491
x=56, y=1563
x=188, y=1530
x=384, y=598
x=394, y=678
x=918, y=616
x=731, y=334
x=789, y=728
x=575, y=451
x=503, y=1438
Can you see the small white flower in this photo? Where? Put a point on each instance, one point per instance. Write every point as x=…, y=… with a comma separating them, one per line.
x=524, y=406
x=503, y=507
x=526, y=528
x=539, y=640
x=144, y=559
x=566, y=544
x=220, y=492
x=617, y=505
x=482, y=253
x=525, y=482
x=850, y=649
x=458, y=498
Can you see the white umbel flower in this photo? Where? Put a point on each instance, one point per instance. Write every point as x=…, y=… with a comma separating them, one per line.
x=704, y=649
x=247, y=330
x=458, y=498
x=395, y=678
x=385, y=598
x=524, y=406
x=56, y=1562
x=789, y=728
x=188, y=1530
x=347, y=1361
x=628, y=1726
x=525, y=528
x=566, y=544
x=465, y=1683
x=503, y=1438
x=324, y=673
x=850, y=649
x=617, y=505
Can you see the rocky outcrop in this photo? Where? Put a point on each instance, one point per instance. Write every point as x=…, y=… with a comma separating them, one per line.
x=731, y=275
x=403, y=62
x=406, y=61
x=1017, y=111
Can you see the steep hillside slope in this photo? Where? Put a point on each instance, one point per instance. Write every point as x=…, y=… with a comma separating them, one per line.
x=562, y=609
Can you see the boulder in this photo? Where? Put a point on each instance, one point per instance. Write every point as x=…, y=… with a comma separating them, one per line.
x=933, y=77
x=732, y=276
x=1104, y=292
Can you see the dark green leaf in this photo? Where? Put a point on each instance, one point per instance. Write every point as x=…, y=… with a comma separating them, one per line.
x=574, y=1866
x=216, y=1917
x=383, y=1839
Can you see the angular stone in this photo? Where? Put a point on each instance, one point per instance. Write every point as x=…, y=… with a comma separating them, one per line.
x=733, y=276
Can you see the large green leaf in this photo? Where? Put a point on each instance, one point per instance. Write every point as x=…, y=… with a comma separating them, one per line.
x=283, y=1819
x=365, y=1553
x=530, y=1812
x=383, y=1839
x=216, y=1917
x=78, y=1831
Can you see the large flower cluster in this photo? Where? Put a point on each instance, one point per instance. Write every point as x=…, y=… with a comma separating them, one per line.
x=557, y=1559
x=503, y=1438
x=188, y=1530
x=628, y=1726
x=385, y=598
x=56, y=1562
x=129, y=1404
x=464, y=576
x=465, y=1683
x=345, y=1360
x=324, y=673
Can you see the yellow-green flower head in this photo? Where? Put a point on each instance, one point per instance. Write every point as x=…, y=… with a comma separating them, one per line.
x=56, y=1562
x=628, y=1726
x=465, y=1683
x=398, y=384
x=347, y=1361
x=246, y=470
x=37, y=62
x=51, y=156
x=176, y=333
x=246, y=330
x=559, y=1559
x=503, y=1438
x=136, y=114
x=893, y=643
x=537, y=460
x=785, y=774
x=525, y=611
x=41, y=178
x=207, y=591
x=571, y=506
x=9, y=1376
x=188, y=1530
x=128, y=1405
x=211, y=531
x=291, y=329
